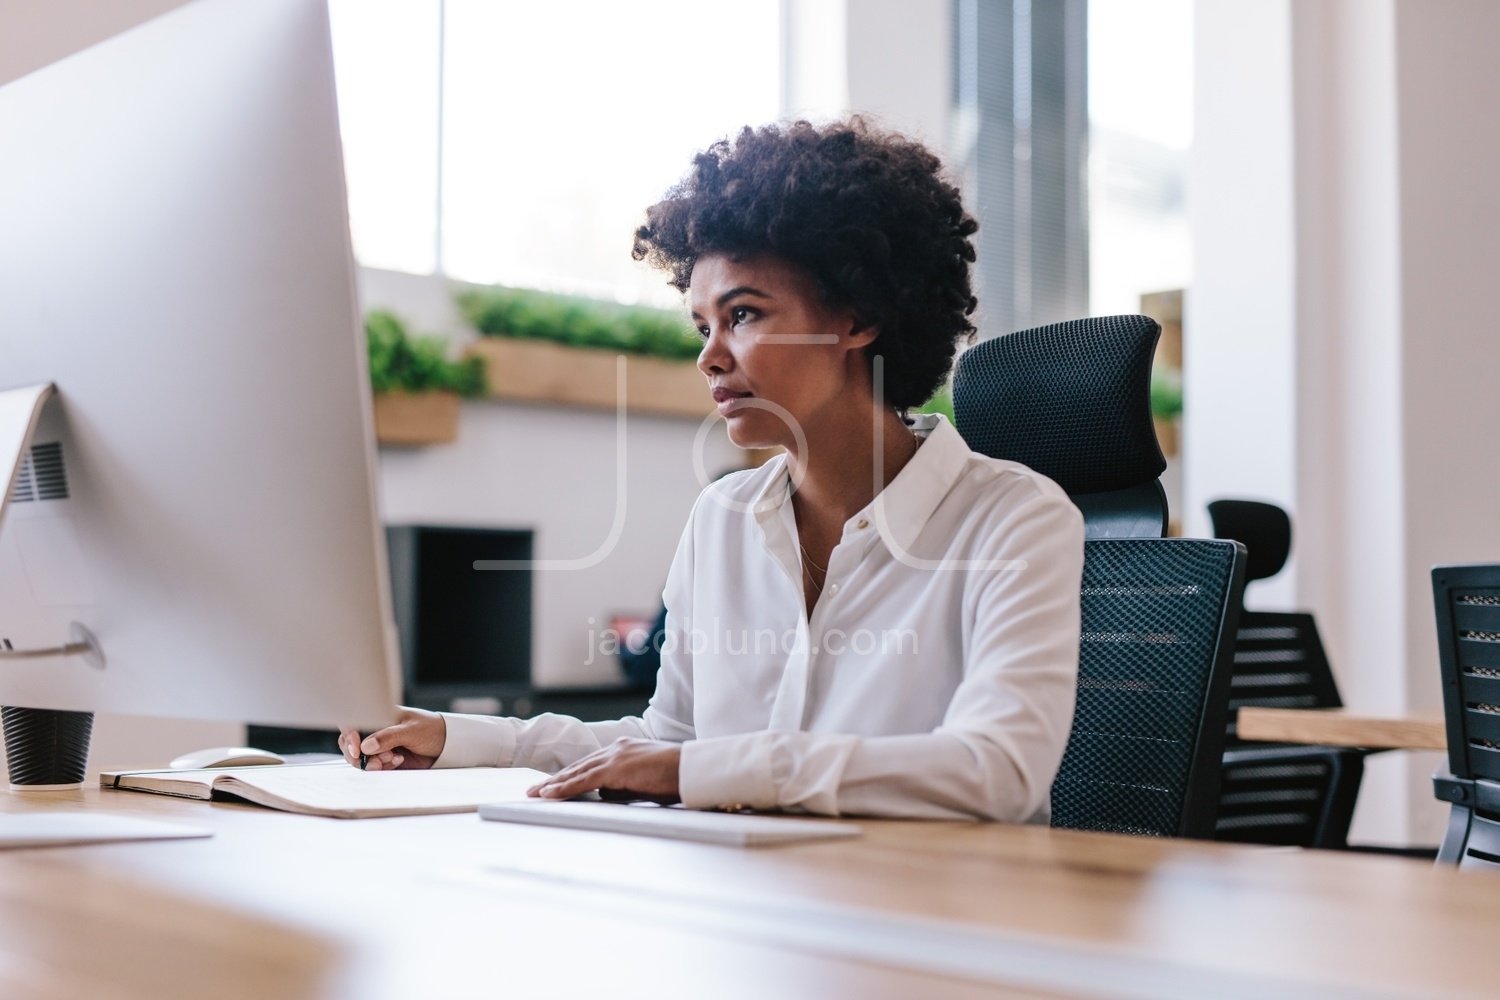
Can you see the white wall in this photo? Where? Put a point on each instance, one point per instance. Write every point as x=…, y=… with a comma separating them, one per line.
x=1348, y=463
x=899, y=57
x=1345, y=208
x=1240, y=313
x=1449, y=145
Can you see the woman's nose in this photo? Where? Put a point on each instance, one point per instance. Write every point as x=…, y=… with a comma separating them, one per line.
x=713, y=358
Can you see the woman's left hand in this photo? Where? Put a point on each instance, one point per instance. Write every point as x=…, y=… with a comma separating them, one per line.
x=626, y=769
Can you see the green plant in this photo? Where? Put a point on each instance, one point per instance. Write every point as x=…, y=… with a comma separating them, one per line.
x=941, y=402
x=578, y=322
x=1166, y=393
x=400, y=362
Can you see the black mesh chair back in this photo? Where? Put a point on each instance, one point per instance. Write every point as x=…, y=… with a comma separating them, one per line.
x=1291, y=795
x=1279, y=662
x=1294, y=796
x=1263, y=528
x=1072, y=401
x=1148, y=731
x=1467, y=602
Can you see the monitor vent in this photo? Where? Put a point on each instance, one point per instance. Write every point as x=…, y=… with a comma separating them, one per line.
x=42, y=475
x=23, y=491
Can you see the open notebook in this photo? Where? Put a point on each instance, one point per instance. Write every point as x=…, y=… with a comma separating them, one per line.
x=336, y=789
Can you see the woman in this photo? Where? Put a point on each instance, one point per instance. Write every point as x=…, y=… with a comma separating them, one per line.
x=880, y=621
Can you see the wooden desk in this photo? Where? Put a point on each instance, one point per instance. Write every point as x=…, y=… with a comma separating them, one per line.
x=1339, y=727
x=449, y=906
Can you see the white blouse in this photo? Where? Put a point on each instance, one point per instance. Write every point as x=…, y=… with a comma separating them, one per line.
x=935, y=679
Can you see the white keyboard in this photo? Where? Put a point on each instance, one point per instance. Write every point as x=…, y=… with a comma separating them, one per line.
x=650, y=820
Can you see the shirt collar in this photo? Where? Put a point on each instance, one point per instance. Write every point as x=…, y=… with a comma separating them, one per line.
x=902, y=509
x=907, y=502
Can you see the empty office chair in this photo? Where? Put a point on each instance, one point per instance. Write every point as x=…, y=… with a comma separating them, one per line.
x=1280, y=794
x=1467, y=601
x=1071, y=401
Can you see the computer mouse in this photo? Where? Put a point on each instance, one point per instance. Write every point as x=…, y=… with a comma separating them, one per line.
x=225, y=757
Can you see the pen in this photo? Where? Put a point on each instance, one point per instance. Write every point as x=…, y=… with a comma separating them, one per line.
x=364, y=758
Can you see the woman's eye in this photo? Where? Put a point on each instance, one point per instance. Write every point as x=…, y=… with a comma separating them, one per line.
x=703, y=332
x=740, y=314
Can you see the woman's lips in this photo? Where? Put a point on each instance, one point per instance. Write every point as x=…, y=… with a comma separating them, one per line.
x=726, y=398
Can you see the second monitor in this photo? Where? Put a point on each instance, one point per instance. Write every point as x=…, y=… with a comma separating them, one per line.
x=465, y=634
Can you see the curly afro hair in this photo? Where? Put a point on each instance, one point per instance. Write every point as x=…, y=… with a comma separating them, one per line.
x=867, y=213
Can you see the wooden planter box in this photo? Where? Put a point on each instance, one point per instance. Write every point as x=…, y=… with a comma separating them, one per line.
x=406, y=418
x=535, y=371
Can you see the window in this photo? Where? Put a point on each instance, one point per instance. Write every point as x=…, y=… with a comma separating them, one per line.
x=559, y=124
x=386, y=57
x=1019, y=85
x=1141, y=126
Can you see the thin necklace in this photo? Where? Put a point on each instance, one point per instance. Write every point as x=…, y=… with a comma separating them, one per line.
x=807, y=560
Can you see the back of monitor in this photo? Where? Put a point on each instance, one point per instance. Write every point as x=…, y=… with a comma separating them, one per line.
x=176, y=260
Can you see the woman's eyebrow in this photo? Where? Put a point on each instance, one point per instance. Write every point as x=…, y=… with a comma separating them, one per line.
x=740, y=290
x=734, y=292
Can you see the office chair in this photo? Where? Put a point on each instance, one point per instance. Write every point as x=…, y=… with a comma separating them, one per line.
x=1153, y=687
x=1071, y=401
x=1467, y=602
x=1280, y=794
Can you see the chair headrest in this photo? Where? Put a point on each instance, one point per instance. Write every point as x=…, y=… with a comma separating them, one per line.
x=1263, y=528
x=1071, y=400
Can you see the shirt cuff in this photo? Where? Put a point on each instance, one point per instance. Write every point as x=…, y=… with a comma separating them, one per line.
x=727, y=771
x=477, y=741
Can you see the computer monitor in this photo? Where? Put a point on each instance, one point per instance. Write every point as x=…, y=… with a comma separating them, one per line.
x=465, y=636
x=199, y=493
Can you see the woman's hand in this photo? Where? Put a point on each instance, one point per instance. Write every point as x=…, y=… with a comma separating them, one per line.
x=626, y=769
x=415, y=741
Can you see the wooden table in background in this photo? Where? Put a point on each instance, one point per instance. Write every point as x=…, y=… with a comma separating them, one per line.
x=304, y=908
x=1339, y=727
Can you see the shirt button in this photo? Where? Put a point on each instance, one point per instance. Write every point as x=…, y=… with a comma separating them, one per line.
x=862, y=524
x=833, y=588
x=815, y=650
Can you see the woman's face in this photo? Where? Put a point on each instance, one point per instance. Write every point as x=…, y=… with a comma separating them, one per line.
x=775, y=356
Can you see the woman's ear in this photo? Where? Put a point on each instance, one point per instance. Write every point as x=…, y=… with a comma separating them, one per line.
x=861, y=333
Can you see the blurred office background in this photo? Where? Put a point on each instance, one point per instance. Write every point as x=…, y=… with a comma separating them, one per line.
x=1302, y=190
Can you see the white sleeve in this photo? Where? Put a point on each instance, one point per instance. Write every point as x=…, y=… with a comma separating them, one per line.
x=1006, y=727
x=551, y=742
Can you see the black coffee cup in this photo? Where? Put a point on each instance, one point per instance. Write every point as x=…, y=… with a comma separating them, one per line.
x=46, y=749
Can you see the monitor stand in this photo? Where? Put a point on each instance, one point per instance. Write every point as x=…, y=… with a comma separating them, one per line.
x=47, y=750
x=20, y=411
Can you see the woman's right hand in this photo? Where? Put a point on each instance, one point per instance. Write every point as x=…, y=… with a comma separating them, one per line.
x=415, y=741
